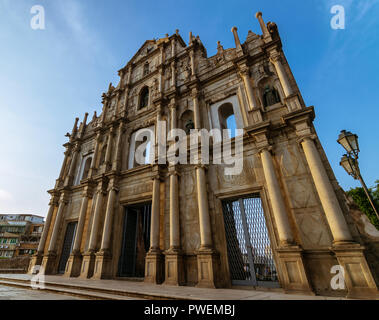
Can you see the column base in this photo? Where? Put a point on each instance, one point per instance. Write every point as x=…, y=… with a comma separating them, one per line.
x=295, y=279
x=103, y=264
x=73, y=265
x=49, y=262
x=88, y=264
x=154, y=267
x=358, y=278
x=206, y=268
x=35, y=263
x=174, y=272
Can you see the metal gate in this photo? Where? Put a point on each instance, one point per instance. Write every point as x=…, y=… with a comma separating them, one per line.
x=136, y=241
x=67, y=246
x=249, y=251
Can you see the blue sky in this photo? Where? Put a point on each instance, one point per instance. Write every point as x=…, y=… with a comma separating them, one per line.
x=49, y=77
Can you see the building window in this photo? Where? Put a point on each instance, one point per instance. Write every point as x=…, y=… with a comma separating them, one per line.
x=227, y=118
x=87, y=166
x=146, y=69
x=144, y=98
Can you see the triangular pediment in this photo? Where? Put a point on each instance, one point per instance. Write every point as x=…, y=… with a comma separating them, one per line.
x=148, y=47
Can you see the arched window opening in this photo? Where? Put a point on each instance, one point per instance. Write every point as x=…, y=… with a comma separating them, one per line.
x=144, y=98
x=87, y=166
x=141, y=150
x=227, y=118
x=270, y=96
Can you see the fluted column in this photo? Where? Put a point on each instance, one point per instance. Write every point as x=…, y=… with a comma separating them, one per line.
x=57, y=224
x=275, y=59
x=249, y=90
x=46, y=227
x=333, y=212
x=155, y=215
x=277, y=202
x=96, y=220
x=107, y=230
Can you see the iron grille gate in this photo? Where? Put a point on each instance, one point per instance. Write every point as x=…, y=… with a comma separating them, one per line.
x=249, y=251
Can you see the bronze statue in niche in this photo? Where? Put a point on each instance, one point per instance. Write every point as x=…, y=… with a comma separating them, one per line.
x=270, y=96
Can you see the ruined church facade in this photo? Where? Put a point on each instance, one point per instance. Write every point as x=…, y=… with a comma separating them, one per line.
x=282, y=222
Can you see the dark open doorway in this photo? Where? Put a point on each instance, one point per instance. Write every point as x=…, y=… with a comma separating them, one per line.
x=135, y=240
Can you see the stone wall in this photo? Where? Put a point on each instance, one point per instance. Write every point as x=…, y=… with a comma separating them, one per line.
x=14, y=265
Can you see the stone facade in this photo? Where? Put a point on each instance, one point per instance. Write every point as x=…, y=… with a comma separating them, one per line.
x=306, y=215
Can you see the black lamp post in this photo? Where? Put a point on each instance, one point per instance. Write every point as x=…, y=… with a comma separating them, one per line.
x=349, y=161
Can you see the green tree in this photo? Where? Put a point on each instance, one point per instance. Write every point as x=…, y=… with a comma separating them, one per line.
x=360, y=198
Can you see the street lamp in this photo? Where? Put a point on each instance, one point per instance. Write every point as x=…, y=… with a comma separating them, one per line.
x=349, y=161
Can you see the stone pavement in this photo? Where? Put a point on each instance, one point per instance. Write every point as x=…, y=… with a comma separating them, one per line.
x=12, y=293
x=121, y=289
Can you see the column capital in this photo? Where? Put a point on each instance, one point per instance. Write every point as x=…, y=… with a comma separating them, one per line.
x=275, y=56
x=174, y=173
x=201, y=166
x=301, y=139
x=267, y=148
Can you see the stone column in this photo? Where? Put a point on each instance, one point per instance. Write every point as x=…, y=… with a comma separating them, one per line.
x=173, y=74
x=275, y=59
x=291, y=261
x=196, y=110
x=174, y=274
x=108, y=152
x=249, y=89
x=236, y=39
x=103, y=268
x=332, y=209
x=75, y=260
x=117, y=158
x=95, y=154
x=192, y=58
x=63, y=169
x=89, y=256
x=206, y=258
x=71, y=173
x=49, y=261
x=153, y=269
x=277, y=202
x=37, y=258
x=263, y=26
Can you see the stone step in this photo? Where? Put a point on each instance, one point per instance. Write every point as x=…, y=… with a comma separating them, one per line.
x=69, y=291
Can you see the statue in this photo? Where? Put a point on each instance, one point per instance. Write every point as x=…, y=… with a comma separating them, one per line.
x=270, y=96
x=189, y=126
